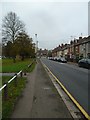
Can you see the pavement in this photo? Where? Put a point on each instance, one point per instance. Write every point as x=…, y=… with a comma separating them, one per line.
x=40, y=98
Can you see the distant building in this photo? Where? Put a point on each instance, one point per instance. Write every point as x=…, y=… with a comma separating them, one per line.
x=77, y=49
x=42, y=53
x=55, y=52
x=85, y=47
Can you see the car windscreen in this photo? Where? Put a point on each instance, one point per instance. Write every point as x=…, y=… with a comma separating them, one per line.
x=82, y=60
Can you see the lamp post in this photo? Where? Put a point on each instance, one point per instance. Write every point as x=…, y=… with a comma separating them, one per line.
x=36, y=48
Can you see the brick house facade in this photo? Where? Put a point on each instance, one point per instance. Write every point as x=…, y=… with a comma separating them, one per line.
x=78, y=48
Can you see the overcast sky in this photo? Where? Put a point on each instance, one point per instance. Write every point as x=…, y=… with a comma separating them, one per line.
x=53, y=22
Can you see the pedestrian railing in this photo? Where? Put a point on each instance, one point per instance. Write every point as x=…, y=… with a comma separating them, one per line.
x=5, y=86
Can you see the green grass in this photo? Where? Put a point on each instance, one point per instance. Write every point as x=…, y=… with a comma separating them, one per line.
x=13, y=94
x=0, y=65
x=9, y=66
x=0, y=81
x=31, y=68
x=5, y=79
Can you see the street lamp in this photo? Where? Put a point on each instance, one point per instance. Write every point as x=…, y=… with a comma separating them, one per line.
x=36, y=48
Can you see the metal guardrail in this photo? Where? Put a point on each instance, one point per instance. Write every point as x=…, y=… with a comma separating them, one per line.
x=19, y=73
x=2, y=87
x=5, y=86
x=10, y=81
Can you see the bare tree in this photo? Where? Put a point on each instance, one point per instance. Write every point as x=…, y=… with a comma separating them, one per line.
x=11, y=27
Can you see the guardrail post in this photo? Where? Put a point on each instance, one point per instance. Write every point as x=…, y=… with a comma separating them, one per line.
x=21, y=73
x=24, y=72
x=15, y=81
x=6, y=92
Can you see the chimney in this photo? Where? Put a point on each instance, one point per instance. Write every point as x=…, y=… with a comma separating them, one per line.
x=59, y=46
x=62, y=44
x=71, y=42
x=80, y=38
x=77, y=41
x=66, y=44
x=74, y=41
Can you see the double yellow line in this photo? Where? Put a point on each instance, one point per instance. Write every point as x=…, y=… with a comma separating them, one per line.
x=71, y=97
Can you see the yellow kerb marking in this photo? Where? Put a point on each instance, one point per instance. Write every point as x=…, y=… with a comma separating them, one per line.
x=77, y=104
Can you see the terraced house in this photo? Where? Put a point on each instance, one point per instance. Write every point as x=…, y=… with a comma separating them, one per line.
x=77, y=49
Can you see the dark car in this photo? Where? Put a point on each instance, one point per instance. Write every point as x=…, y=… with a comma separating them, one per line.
x=84, y=63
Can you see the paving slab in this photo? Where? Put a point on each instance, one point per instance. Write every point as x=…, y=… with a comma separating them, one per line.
x=40, y=98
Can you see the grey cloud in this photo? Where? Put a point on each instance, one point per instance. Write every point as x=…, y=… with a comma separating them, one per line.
x=54, y=22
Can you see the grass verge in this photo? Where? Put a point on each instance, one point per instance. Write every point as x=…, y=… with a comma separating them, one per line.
x=9, y=66
x=31, y=68
x=13, y=94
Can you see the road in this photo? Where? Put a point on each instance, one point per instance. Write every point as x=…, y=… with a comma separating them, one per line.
x=74, y=79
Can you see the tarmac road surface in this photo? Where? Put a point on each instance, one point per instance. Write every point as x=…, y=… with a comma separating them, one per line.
x=74, y=79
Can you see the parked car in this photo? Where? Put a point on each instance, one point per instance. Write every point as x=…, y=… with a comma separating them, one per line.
x=85, y=62
x=55, y=58
x=61, y=59
x=50, y=58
